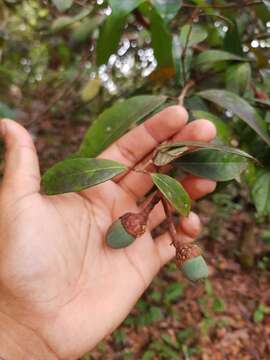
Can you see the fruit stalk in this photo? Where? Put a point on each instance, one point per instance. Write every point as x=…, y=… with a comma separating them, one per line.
x=188, y=256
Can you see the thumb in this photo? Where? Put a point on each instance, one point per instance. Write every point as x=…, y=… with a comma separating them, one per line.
x=21, y=174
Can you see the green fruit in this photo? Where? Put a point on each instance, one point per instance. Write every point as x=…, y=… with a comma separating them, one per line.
x=117, y=237
x=195, y=268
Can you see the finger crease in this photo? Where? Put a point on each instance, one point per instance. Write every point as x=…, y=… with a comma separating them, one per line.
x=127, y=153
x=156, y=141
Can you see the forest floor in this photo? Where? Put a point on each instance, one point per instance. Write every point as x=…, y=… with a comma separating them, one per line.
x=225, y=317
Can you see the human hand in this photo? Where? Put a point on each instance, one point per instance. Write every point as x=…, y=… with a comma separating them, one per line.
x=58, y=279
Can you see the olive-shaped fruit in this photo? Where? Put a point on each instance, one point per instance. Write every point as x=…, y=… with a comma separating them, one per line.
x=117, y=237
x=195, y=268
x=191, y=263
x=125, y=230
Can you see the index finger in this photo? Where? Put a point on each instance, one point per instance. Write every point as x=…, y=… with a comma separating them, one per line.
x=137, y=143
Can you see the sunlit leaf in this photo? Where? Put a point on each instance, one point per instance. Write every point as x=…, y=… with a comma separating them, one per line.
x=73, y=175
x=194, y=36
x=62, y=5
x=173, y=192
x=239, y=107
x=212, y=164
x=115, y=121
x=261, y=192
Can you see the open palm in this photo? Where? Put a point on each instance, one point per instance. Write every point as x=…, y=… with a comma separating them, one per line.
x=57, y=275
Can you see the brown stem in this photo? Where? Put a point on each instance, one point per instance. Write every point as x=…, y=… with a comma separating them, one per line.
x=184, y=92
x=141, y=20
x=140, y=171
x=225, y=6
x=171, y=225
x=151, y=204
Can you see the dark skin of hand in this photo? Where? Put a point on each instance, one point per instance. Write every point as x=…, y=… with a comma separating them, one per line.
x=61, y=287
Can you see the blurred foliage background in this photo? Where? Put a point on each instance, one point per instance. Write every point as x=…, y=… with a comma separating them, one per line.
x=62, y=62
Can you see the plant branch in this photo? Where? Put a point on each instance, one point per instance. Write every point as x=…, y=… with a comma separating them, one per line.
x=183, y=55
x=171, y=225
x=184, y=92
x=140, y=18
x=225, y=6
x=151, y=204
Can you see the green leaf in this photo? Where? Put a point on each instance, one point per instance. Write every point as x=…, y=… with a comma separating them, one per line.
x=111, y=31
x=212, y=164
x=73, y=175
x=109, y=38
x=64, y=21
x=261, y=192
x=209, y=57
x=258, y=315
x=160, y=35
x=173, y=192
x=232, y=40
x=173, y=292
x=115, y=121
x=82, y=32
x=218, y=305
x=167, y=9
x=239, y=107
x=148, y=355
x=165, y=157
x=124, y=7
x=266, y=236
x=208, y=287
x=224, y=132
x=194, y=36
x=62, y=5
x=238, y=78
x=161, y=41
x=178, y=146
x=155, y=314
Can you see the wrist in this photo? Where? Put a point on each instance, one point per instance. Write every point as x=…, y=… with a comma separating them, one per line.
x=19, y=342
